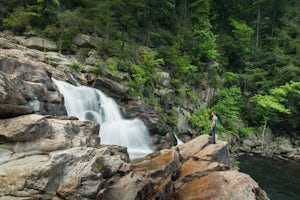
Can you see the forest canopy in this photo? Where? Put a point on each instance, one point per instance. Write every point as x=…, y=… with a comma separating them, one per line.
x=255, y=42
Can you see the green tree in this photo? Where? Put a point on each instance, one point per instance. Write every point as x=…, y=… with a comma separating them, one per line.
x=204, y=47
x=33, y=15
x=278, y=100
x=142, y=73
x=228, y=107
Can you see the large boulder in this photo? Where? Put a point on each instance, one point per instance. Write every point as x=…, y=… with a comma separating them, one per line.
x=221, y=185
x=19, y=97
x=43, y=158
x=87, y=41
x=26, y=86
x=39, y=43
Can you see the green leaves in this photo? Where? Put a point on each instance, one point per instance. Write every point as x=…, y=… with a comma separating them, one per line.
x=242, y=34
x=205, y=47
x=200, y=119
x=276, y=100
x=228, y=107
x=17, y=20
x=142, y=72
x=267, y=103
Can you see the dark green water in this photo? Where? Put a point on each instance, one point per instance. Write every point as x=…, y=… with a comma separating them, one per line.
x=280, y=180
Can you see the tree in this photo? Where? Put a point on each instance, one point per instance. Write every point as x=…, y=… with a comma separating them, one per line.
x=268, y=105
x=204, y=40
x=228, y=107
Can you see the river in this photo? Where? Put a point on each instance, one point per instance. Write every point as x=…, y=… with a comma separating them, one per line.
x=279, y=179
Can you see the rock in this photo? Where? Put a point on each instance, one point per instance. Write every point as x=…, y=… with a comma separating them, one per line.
x=193, y=170
x=134, y=186
x=10, y=110
x=192, y=147
x=37, y=43
x=211, y=158
x=83, y=40
x=36, y=133
x=231, y=185
x=249, y=143
x=23, y=128
x=159, y=164
x=211, y=65
x=163, y=78
x=9, y=90
x=182, y=122
x=271, y=147
x=111, y=88
x=43, y=158
x=137, y=108
x=27, y=89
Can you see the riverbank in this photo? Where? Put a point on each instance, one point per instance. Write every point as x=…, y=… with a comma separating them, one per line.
x=281, y=148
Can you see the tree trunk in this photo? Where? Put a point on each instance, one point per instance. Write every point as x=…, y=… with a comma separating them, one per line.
x=258, y=24
x=264, y=131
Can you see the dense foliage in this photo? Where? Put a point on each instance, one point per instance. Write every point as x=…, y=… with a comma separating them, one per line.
x=255, y=42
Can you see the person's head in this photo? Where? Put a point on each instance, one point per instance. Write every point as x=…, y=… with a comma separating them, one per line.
x=213, y=113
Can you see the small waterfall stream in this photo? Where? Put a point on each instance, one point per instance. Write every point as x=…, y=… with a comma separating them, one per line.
x=179, y=141
x=91, y=104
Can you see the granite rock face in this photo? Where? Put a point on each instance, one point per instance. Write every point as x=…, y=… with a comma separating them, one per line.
x=43, y=158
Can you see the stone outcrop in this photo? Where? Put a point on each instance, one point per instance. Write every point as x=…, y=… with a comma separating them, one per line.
x=25, y=80
x=43, y=158
x=83, y=40
x=39, y=43
x=193, y=170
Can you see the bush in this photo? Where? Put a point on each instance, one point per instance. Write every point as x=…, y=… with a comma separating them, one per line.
x=246, y=131
x=76, y=66
x=200, y=119
x=17, y=20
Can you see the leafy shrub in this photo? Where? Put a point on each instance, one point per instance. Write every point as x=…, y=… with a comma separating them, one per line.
x=17, y=21
x=200, y=119
x=170, y=116
x=76, y=66
x=142, y=72
x=228, y=107
x=112, y=65
x=246, y=131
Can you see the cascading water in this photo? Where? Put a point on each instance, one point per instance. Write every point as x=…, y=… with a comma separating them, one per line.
x=90, y=104
x=179, y=141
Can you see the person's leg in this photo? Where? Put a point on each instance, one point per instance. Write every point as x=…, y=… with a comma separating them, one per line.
x=213, y=135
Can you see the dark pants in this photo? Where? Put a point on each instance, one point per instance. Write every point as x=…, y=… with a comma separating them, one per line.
x=213, y=133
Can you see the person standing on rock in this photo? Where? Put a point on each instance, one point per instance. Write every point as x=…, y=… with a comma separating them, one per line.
x=213, y=127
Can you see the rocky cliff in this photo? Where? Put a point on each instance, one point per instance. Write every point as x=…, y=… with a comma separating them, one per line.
x=46, y=155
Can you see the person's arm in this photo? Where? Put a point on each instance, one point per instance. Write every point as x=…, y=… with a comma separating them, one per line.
x=212, y=124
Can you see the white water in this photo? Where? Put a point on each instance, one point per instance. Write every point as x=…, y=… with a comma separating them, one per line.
x=179, y=141
x=90, y=104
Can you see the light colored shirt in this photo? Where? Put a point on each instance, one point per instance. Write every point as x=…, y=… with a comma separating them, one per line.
x=215, y=120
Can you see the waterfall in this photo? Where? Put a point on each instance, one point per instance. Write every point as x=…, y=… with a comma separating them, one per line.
x=179, y=141
x=91, y=104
